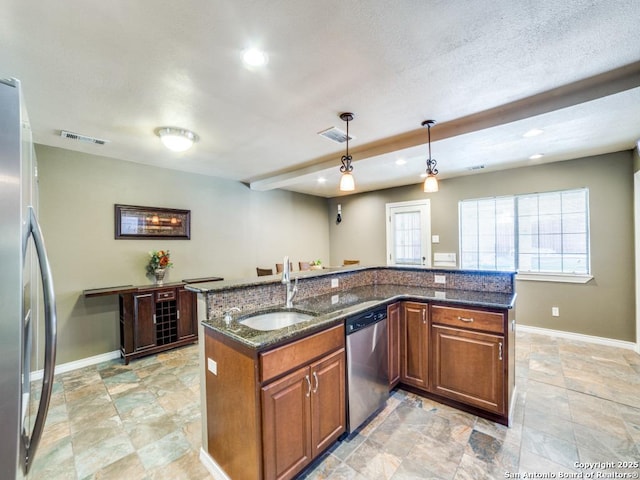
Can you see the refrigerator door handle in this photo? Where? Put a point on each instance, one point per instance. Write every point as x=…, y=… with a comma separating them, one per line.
x=30, y=442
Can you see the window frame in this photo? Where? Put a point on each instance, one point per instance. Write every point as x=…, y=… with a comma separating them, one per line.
x=545, y=276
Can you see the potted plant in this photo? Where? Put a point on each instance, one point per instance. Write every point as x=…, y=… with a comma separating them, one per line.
x=316, y=265
x=159, y=262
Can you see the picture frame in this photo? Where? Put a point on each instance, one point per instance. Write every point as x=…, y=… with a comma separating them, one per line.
x=138, y=222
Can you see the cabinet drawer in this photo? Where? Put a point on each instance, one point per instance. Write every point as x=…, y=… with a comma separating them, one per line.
x=283, y=359
x=467, y=318
x=165, y=295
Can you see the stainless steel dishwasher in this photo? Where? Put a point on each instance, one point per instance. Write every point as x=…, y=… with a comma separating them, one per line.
x=367, y=364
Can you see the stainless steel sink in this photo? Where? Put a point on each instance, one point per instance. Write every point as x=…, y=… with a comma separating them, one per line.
x=275, y=320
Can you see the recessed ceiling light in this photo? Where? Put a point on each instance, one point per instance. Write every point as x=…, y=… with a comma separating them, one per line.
x=423, y=175
x=401, y=161
x=536, y=156
x=254, y=57
x=322, y=180
x=534, y=132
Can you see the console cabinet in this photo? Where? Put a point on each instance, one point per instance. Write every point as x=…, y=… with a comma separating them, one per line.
x=156, y=319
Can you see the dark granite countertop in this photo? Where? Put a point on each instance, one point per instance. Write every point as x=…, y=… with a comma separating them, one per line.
x=331, y=309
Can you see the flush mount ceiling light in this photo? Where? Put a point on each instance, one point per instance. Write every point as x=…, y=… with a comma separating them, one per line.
x=536, y=156
x=254, y=58
x=430, y=182
x=347, y=183
x=176, y=139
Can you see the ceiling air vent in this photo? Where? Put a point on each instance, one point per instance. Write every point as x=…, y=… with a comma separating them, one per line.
x=335, y=135
x=81, y=138
x=476, y=167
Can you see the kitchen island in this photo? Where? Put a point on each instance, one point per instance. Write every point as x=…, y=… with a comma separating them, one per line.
x=273, y=400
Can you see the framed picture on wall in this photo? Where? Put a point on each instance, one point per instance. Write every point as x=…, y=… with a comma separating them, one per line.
x=135, y=222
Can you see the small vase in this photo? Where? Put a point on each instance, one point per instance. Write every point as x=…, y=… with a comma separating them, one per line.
x=159, y=274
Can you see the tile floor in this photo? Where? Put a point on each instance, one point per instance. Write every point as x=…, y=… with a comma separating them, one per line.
x=577, y=403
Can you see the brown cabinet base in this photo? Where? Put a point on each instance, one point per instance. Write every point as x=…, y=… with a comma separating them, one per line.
x=156, y=319
x=457, y=355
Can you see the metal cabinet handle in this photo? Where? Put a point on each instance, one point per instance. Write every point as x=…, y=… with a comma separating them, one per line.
x=424, y=315
x=500, y=351
x=315, y=377
x=465, y=319
x=306, y=377
x=178, y=314
x=154, y=318
x=145, y=295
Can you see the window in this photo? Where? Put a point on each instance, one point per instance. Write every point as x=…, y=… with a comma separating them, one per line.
x=539, y=233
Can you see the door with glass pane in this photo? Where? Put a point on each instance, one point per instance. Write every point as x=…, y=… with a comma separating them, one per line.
x=409, y=233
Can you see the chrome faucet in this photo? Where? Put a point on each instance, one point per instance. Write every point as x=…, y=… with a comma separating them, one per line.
x=227, y=315
x=286, y=280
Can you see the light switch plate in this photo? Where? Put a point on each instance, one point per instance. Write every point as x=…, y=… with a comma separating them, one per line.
x=212, y=366
x=435, y=238
x=334, y=283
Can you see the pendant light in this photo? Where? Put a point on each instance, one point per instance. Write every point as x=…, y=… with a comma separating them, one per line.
x=431, y=182
x=347, y=182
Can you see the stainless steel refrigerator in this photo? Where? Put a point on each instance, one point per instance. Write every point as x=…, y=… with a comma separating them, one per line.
x=27, y=301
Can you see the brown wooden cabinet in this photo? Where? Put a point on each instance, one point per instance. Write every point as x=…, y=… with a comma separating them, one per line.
x=303, y=414
x=469, y=357
x=394, y=312
x=156, y=319
x=414, y=345
x=292, y=403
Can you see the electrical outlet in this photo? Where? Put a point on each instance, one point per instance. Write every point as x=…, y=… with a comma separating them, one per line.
x=212, y=366
x=335, y=299
x=440, y=278
x=555, y=312
x=334, y=283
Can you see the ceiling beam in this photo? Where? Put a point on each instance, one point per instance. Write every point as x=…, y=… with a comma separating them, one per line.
x=589, y=89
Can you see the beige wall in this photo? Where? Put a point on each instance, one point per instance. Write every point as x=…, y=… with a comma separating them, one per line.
x=603, y=307
x=233, y=230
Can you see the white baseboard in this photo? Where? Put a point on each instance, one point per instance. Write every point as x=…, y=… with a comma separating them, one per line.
x=76, y=364
x=578, y=336
x=212, y=467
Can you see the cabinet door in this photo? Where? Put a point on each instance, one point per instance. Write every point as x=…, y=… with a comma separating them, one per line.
x=393, y=323
x=469, y=367
x=144, y=328
x=187, y=325
x=328, y=401
x=414, y=345
x=286, y=423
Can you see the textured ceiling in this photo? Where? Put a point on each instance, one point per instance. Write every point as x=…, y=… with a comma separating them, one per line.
x=487, y=71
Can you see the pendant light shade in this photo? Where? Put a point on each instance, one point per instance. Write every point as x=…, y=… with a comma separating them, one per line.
x=430, y=182
x=347, y=182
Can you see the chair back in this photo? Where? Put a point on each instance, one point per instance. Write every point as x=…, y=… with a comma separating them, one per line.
x=280, y=267
x=351, y=262
x=264, y=271
x=304, y=265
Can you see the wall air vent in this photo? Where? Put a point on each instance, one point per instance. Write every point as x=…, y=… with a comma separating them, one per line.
x=82, y=138
x=335, y=135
